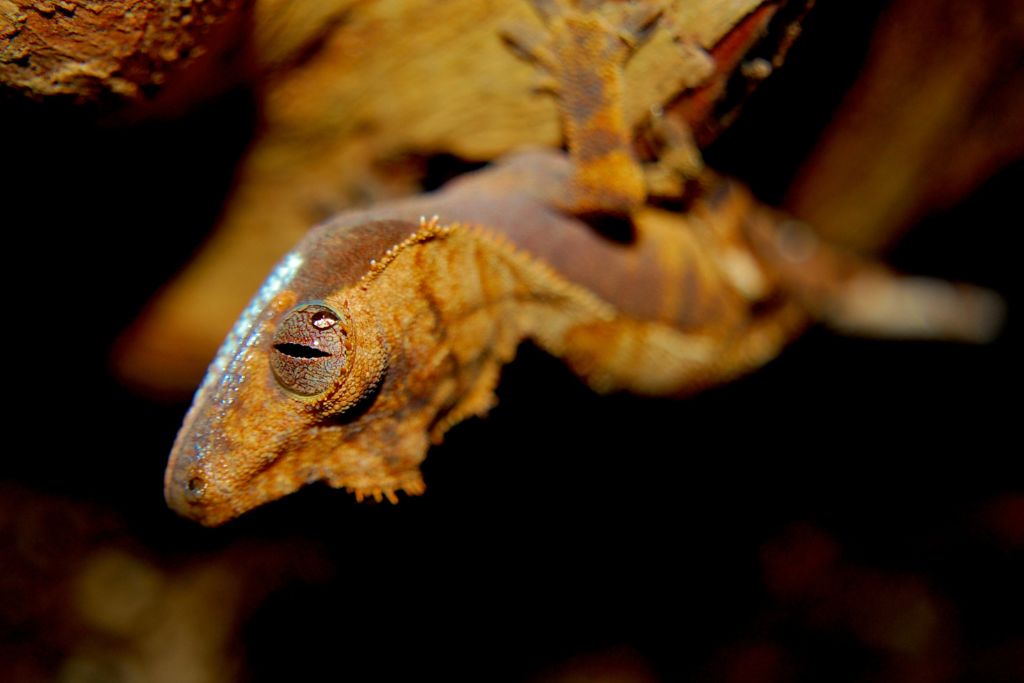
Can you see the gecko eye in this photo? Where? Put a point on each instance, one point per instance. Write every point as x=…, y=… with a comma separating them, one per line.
x=310, y=350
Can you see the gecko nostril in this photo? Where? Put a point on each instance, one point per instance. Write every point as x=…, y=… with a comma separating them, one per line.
x=300, y=351
x=194, y=489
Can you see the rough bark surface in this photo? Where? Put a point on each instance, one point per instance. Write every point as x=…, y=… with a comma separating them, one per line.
x=115, y=50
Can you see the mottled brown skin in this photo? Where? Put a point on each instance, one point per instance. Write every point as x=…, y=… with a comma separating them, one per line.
x=582, y=53
x=432, y=310
x=385, y=327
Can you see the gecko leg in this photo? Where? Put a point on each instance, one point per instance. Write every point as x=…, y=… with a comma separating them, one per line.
x=411, y=483
x=655, y=359
x=679, y=161
x=582, y=50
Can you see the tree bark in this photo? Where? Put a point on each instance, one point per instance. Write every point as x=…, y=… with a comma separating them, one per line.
x=115, y=53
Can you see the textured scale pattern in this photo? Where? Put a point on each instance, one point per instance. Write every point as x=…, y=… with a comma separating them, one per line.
x=384, y=328
x=310, y=350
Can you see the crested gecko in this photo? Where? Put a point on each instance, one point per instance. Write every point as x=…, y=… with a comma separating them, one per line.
x=385, y=327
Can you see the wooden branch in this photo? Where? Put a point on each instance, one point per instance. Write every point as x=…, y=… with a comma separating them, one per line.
x=935, y=113
x=114, y=52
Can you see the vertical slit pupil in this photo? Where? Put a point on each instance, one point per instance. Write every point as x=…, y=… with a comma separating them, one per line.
x=300, y=351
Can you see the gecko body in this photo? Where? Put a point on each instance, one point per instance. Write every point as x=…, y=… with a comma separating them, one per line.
x=385, y=327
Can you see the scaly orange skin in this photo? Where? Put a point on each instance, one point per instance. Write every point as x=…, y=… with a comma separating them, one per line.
x=385, y=327
x=432, y=310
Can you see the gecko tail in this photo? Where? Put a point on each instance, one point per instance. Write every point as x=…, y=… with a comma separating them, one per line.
x=910, y=307
x=856, y=295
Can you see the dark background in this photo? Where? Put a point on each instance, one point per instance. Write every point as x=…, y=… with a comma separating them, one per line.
x=767, y=530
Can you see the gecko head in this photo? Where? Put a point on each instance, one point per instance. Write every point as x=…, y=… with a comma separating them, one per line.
x=297, y=392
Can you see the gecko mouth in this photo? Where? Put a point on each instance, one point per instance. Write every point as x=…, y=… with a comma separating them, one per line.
x=300, y=351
